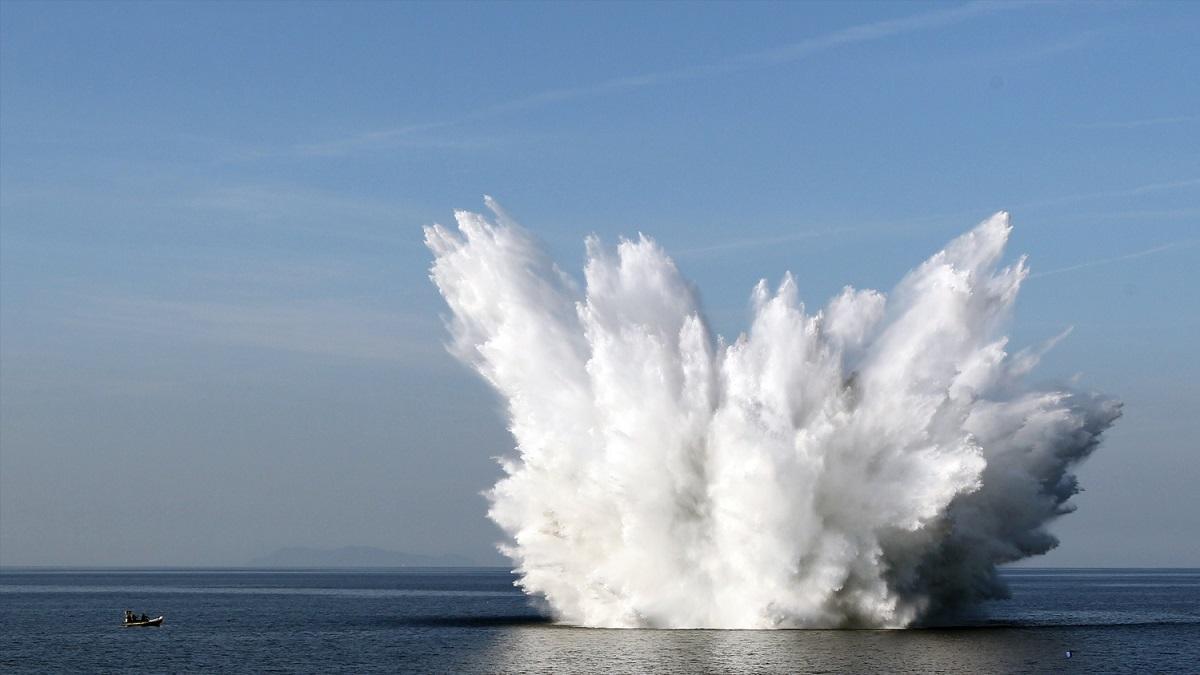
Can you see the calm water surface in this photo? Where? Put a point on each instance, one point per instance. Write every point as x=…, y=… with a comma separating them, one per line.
x=473, y=620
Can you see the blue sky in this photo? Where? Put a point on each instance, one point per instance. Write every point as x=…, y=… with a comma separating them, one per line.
x=213, y=293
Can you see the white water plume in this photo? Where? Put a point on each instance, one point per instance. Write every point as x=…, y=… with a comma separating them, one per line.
x=868, y=464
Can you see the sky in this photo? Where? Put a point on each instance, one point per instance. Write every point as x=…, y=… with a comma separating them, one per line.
x=217, y=332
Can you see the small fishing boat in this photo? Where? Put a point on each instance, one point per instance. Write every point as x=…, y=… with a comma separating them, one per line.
x=157, y=621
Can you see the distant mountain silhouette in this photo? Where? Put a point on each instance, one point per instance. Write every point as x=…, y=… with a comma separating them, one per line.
x=355, y=556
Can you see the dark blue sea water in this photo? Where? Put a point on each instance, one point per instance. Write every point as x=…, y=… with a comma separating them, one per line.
x=473, y=620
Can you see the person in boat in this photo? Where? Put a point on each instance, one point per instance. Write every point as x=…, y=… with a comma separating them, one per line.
x=144, y=618
x=128, y=616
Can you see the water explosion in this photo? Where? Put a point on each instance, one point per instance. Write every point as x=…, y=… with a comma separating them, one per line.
x=866, y=465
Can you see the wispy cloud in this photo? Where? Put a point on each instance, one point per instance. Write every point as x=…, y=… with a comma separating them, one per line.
x=1146, y=122
x=324, y=328
x=757, y=242
x=1143, y=214
x=952, y=217
x=1063, y=45
x=310, y=210
x=261, y=275
x=404, y=137
x=893, y=225
x=1120, y=192
x=1079, y=197
x=862, y=33
x=1128, y=256
x=272, y=202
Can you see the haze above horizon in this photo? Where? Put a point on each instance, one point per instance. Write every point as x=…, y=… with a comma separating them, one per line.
x=217, y=334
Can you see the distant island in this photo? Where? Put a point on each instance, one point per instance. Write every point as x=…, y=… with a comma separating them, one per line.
x=355, y=556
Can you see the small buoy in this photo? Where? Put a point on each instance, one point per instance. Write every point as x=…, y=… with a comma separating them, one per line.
x=1068, y=653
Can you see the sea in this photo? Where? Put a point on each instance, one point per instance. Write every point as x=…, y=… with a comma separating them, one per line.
x=475, y=621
